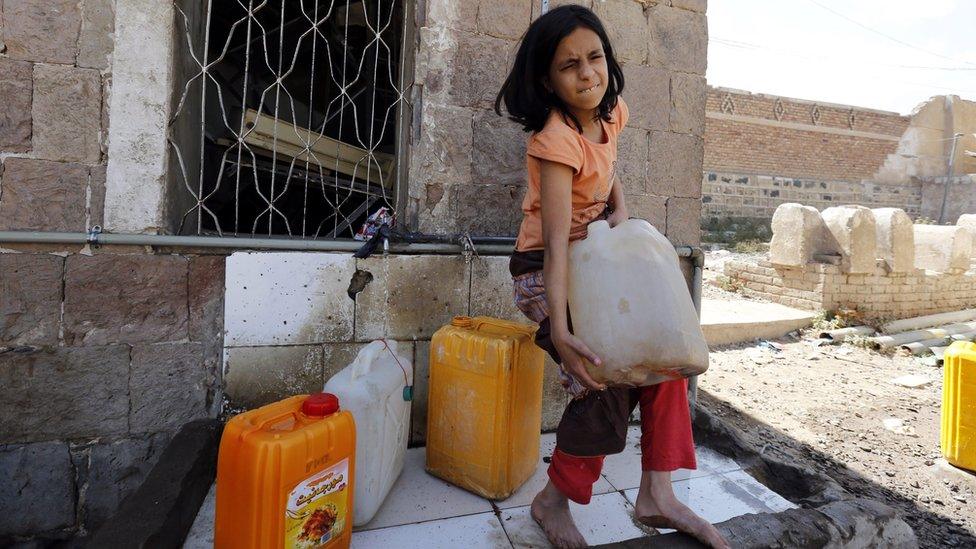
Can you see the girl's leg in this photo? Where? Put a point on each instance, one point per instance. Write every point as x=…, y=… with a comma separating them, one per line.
x=667, y=445
x=570, y=478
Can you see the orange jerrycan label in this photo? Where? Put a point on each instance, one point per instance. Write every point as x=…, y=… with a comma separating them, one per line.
x=958, y=436
x=285, y=476
x=484, y=405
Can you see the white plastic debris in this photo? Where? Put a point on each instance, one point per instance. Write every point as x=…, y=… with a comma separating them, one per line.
x=912, y=381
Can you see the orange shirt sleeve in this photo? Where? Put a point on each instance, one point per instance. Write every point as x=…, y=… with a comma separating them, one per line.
x=557, y=146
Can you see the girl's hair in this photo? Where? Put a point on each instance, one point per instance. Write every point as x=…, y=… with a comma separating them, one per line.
x=526, y=98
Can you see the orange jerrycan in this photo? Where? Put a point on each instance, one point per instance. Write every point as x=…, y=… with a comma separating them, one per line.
x=484, y=405
x=958, y=436
x=285, y=476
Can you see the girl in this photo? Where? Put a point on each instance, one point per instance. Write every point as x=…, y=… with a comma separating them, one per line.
x=564, y=88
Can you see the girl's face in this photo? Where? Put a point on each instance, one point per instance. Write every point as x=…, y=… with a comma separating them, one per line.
x=578, y=73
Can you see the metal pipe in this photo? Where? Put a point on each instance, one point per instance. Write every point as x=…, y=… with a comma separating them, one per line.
x=698, y=263
x=928, y=321
x=842, y=334
x=945, y=190
x=248, y=243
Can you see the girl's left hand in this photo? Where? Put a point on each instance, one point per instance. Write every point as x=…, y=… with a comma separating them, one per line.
x=618, y=216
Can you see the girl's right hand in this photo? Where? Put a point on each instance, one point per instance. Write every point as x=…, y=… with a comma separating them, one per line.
x=573, y=351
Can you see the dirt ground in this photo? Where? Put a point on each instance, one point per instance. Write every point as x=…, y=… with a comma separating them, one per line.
x=826, y=408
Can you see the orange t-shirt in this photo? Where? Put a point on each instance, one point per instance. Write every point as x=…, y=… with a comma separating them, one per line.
x=593, y=167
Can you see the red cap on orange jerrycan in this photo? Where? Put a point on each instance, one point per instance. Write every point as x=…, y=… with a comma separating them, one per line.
x=320, y=405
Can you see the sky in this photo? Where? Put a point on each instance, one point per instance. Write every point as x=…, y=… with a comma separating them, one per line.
x=889, y=55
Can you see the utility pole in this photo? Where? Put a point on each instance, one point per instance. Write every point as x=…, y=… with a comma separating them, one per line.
x=945, y=190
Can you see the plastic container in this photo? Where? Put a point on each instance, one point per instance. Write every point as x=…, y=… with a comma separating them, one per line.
x=484, y=405
x=958, y=436
x=285, y=476
x=372, y=389
x=630, y=304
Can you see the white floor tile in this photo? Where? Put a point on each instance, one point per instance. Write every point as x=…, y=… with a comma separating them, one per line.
x=607, y=518
x=623, y=470
x=201, y=534
x=470, y=532
x=771, y=499
x=418, y=496
x=525, y=493
x=715, y=498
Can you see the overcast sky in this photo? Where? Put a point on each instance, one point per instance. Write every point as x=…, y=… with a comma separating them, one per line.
x=882, y=54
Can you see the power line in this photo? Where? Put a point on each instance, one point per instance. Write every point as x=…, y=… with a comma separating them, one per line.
x=889, y=37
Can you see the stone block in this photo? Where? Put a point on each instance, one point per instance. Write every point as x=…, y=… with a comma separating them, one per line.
x=678, y=39
x=112, y=298
x=168, y=386
x=43, y=31
x=37, y=488
x=798, y=234
x=698, y=6
x=684, y=221
x=411, y=297
x=441, y=162
x=255, y=376
x=490, y=210
x=943, y=249
x=675, y=164
x=40, y=195
x=480, y=66
x=968, y=222
x=67, y=112
x=626, y=27
x=30, y=298
x=453, y=15
x=206, y=323
x=553, y=4
x=651, y=108
x=96, y=41
x=688, y=93
x=96, y=197
x=652, y=208
x=504, y=19
x=896, y=239
x=288, y=298
x=69, y=393
x=854, y=230
x=632, y=163
x=498, y=151
x=107, y=472
x=16, y=89
x=492, y=293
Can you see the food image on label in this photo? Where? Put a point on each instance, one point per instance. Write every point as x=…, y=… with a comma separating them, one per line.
x=316, y=511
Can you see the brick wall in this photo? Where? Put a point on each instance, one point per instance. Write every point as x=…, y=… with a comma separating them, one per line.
x=468, y=166
x=762, y=151
x=880, y=295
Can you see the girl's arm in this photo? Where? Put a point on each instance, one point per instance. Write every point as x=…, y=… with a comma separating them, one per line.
x=620, y=213
x=557, y=210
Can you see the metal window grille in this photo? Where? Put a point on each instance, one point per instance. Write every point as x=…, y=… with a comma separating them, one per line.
x=288, y=115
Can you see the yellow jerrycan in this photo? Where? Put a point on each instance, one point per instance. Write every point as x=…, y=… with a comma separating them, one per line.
x=958, y=436
x=484, y=405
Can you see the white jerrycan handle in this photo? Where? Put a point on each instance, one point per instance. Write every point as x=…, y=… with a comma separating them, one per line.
x=368, y=356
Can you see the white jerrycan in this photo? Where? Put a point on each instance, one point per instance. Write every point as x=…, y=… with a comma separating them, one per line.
x=372, y=388
x=630, y=304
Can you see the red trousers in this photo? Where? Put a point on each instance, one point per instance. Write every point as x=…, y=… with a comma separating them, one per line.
x=666, y=440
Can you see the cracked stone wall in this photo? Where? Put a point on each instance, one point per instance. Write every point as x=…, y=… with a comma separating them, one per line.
x=468, y=164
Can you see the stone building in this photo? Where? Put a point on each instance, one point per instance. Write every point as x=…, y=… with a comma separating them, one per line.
x=763, y=150
x=183, y=135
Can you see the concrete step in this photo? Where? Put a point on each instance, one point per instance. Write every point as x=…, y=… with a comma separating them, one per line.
x=726, y=322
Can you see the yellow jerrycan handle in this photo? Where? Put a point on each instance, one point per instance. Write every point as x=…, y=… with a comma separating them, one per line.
x=491, y=325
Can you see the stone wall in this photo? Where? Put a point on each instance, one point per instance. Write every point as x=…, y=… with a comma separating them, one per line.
x=291, y=325
x=103, y=356
x=55, y=75
x=105, y=352
x=879, y=295
x=468, y=164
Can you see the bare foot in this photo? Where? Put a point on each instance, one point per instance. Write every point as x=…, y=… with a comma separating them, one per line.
x=550, y=510
x=660, y=509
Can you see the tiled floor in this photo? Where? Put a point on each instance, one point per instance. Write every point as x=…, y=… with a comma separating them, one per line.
x=423, y=511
